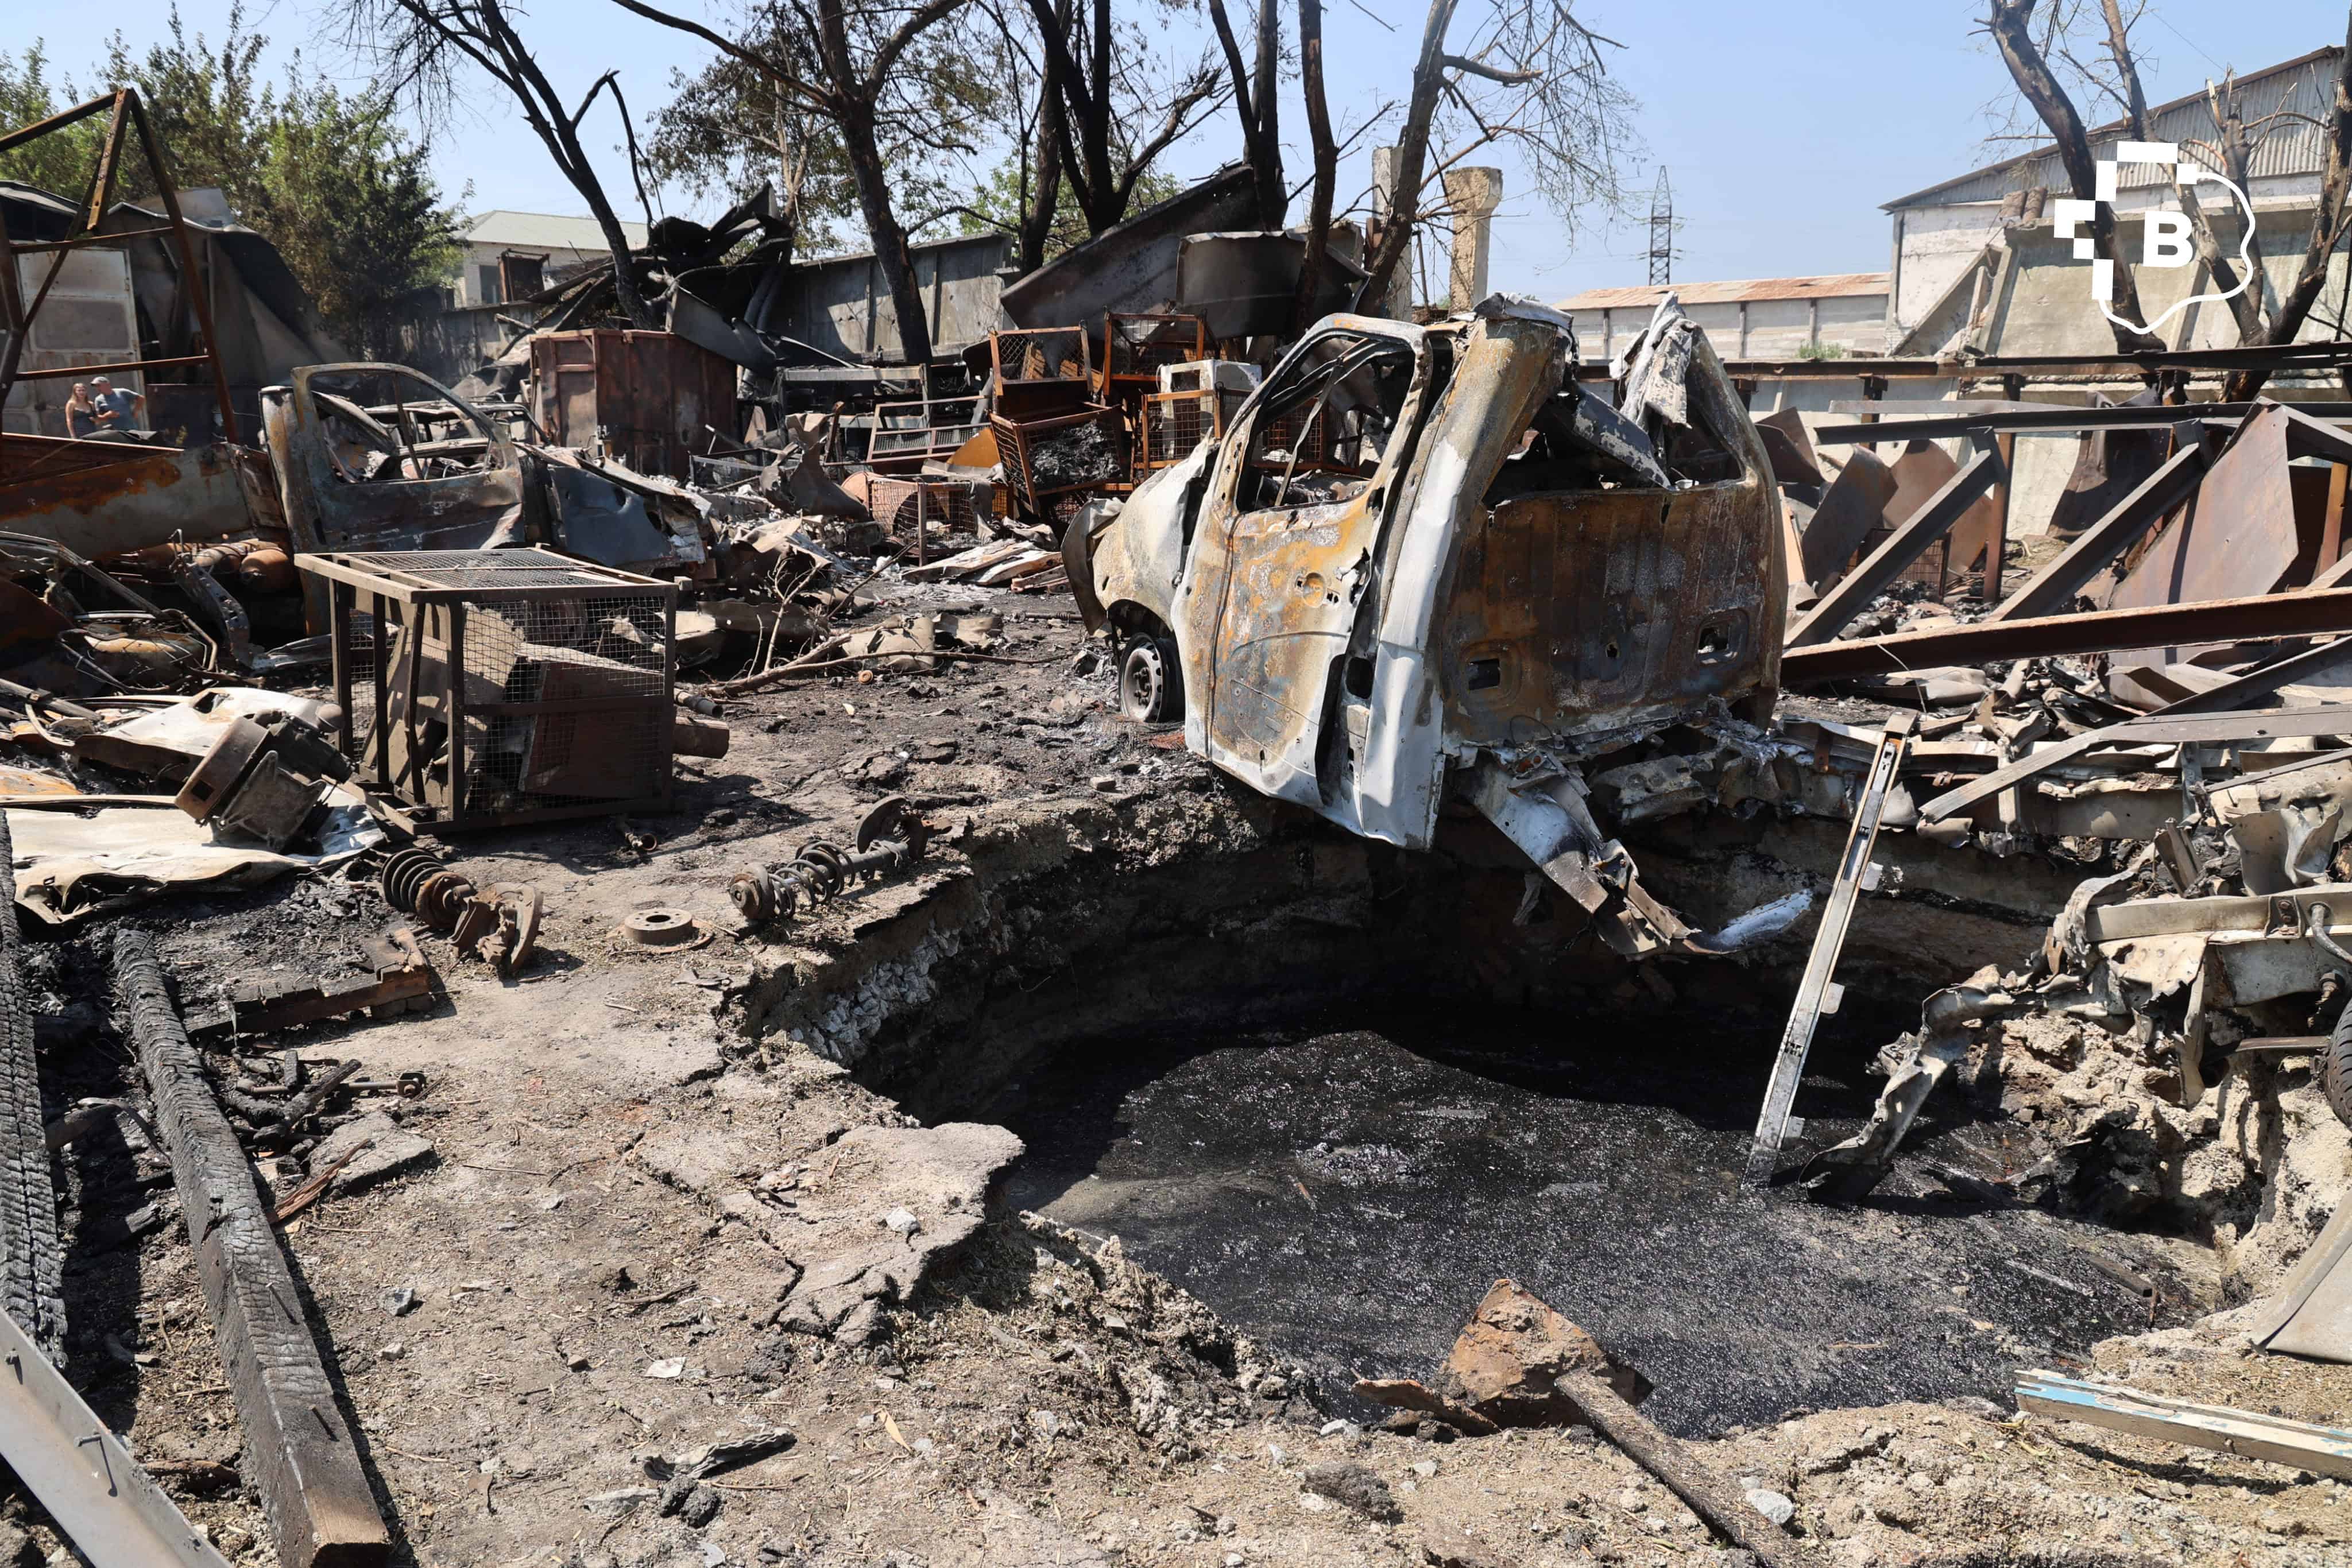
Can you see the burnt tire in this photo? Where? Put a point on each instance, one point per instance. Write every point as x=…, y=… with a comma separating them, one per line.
x=2335, y=1068
x=1151, y=681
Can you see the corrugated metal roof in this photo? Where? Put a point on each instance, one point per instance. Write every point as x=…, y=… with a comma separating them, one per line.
x=1733, y=291
x=2302, y=86
x=552, y=231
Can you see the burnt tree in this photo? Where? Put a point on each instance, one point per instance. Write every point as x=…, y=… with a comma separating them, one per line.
x=1095, y=98
x=2011, y=24
x=421, y=49
x=846, y=78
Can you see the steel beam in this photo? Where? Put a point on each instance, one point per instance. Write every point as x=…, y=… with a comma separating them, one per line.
x=2255, y=619
x=2053, y=588
x=108, y=1505
x=1847, y=598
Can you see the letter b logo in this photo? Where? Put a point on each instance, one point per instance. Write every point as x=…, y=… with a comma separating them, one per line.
x=2166, y=241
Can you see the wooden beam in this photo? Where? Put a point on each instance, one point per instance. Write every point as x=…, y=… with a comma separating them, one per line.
x=300, y=1452
x=1907, y=543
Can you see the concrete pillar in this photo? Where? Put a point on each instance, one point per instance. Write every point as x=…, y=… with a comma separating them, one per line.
x=1397, y=306
x=1474, y=194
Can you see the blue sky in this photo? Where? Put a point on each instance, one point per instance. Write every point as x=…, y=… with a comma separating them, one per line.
x=1784, y=127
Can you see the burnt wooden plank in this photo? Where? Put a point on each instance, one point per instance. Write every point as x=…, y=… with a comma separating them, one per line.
x=300, y=1450
x=30, y=1257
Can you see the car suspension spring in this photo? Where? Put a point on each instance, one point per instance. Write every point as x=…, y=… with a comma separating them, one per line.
x=416, y=882
x=890, y=836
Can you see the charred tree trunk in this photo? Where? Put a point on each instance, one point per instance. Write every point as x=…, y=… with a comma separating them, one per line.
x=2328, y=221
x=300, y=1453
x=1412, y=156
x=1254, y=102
x=864, y=153
x=1326, y=165
x=2012, y=32
x=2245, y=305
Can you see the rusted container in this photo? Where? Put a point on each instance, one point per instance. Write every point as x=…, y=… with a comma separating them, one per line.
x=651, y=393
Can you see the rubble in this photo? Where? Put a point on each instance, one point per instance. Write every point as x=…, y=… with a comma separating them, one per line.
x=704, y=631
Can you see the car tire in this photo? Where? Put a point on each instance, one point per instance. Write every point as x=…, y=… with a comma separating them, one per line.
x=1151, y=681
x=2334, y=1064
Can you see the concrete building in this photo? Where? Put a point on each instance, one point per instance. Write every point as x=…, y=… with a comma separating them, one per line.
x=1829, y=316
x=1975, y=262
x=512, y=256
x=509, y=255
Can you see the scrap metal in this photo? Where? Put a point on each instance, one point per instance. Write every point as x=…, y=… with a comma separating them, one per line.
x=109, y=1507
x=890, y=836
x=260, y=1003
x=2264, y=617
x=1443, y=599
x=1817, y=993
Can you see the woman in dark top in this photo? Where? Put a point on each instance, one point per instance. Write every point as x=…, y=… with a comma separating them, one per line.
x=81, y=414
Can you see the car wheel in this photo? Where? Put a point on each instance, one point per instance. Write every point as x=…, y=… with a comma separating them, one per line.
x=2335, y=1069
x=1151, y=690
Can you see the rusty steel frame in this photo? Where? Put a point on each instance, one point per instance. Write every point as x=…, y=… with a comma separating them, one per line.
x=126, y=111
x=1907, y=543
x=2264, y=617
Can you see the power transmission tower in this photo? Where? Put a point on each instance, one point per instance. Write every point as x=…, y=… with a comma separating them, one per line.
x=1662, y=231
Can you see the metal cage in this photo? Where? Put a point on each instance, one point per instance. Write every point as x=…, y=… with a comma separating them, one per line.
x=498, y=687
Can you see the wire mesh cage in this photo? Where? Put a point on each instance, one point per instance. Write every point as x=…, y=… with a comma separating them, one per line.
x=907, y=435
x=1042, y=354
x=494, y=687
x=919, y=511
x=1300, y=438
x=1083, y=451
x=1174, y=424
x=1135, y=347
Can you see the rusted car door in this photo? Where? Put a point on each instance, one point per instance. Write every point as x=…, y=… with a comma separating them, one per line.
x=1290, y=532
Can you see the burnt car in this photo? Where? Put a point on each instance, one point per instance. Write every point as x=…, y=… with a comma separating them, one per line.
x=381, y=458
x=1424, y=563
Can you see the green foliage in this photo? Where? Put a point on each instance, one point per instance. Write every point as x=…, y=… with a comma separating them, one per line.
x=1822, y=351
x=329, y=177
x=60, y=161
x=997, y=206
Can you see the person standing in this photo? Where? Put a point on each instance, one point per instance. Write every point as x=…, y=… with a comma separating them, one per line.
x=81, y=414
x=117, y=410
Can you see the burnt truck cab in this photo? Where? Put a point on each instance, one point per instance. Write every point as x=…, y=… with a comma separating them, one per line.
x=1422, y=562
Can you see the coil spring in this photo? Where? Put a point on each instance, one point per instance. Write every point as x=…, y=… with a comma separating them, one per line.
x=816, y=875
x=415, y=882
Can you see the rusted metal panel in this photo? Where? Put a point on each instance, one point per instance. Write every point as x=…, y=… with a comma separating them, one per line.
x=1948, y=509
x=2238, y=536
x=100, y=497
x=1601, y=607
x=1855, y=504
x=648, y=396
